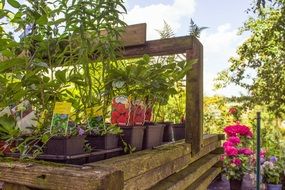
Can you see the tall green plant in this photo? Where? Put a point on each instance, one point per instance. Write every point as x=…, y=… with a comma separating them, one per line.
x=64, y=52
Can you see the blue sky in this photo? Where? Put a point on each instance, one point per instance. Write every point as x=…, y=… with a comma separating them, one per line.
x=220, y=41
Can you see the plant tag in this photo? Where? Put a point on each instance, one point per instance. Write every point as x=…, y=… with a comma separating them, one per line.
x=61, y=112
x=138, y=112
x=121, y=111
x=62, y=108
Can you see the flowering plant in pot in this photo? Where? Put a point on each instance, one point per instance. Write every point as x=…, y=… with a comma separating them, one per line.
x=237, y=154
x=271, y=171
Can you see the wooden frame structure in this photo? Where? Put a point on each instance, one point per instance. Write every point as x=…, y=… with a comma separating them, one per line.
x=191, y=46
x=189, y=164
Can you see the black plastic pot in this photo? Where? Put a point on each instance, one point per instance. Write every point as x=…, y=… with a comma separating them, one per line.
x=153, y=135
x=65, y=145
x=178, y=131
x=168, y=132
x=133, y=136
x=105, y=142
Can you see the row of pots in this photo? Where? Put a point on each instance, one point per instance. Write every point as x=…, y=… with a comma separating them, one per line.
x=141, y=137
x=71, y=149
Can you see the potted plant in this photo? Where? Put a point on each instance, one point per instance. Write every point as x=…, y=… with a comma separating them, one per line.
x=271, y=171
x=101, y=135
x=127, y=107
x=236, y=160
x=66, y=144
x=122, y=116
x=66, y=138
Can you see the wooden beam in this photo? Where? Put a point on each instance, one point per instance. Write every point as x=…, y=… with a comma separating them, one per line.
x=45, y=175
x=134, y=35
x=205, y=180
x=153, y=176
x=11, y=186
x=194, y=97
x=140, y=162
x=187, y=176
x=160, y=47
x=143, y=161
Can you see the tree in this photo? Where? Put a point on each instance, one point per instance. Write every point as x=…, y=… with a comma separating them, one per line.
x=259, y=65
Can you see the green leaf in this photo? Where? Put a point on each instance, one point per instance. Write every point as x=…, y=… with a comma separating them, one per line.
x=42, y=20
x=61, y=76
x=14, y=3
x=45, y=138
x=6, y=53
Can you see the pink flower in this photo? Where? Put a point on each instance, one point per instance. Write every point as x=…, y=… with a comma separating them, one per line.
x=242, y=130
x=249, y=135
x=245, y=151
x=230, y=130
x=227, y=143
x=231, y=151
x=236, y=161
x=234, y=140
x=262, y=153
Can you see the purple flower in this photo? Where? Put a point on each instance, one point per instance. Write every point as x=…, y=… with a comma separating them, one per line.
x=262, y=160
x=273, y=159
x=28, y=30
x=80, y=131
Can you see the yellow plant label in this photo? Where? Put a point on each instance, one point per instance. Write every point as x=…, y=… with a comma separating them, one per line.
x=62, y=108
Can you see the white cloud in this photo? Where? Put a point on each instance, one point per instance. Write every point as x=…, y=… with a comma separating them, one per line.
x=154, y=15
x=219, y=46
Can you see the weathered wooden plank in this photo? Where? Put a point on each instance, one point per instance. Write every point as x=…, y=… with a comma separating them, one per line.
x=134, y=35
x=194, y=97
x=10, y=186
x=160, y=47
x=140, y=162
x=187, y=176
x=46, y=175
x=208, y=139
x=219, y=150
x=150, y=178
x=204, y=181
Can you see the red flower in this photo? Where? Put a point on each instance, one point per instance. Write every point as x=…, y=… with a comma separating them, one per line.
x=236, y=161
x=114, y=116
x=233, y=110
x=231, y=151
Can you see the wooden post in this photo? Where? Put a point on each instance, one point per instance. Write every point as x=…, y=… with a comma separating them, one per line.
x=194, y=98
